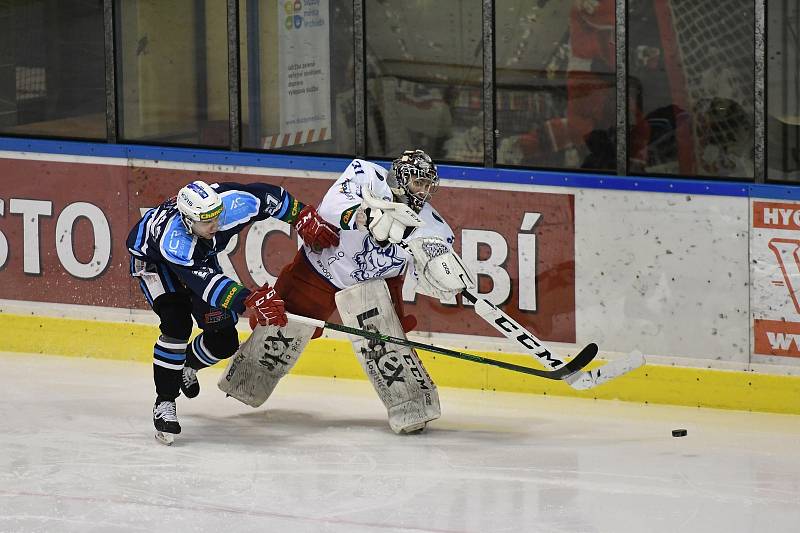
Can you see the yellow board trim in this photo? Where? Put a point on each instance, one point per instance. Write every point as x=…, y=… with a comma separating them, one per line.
x=659, y=384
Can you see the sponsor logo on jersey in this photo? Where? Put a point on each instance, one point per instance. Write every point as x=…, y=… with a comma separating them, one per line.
x=344, y=189
x=347, y=215
x=204, y=272
x=215, y=316
x=226, y=301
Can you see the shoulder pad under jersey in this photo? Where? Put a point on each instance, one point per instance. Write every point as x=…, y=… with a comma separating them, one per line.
x=176, y=245
x=240, y=207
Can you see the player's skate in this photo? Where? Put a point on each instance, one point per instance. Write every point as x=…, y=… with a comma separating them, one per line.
x=165, y=421
x=190, y=387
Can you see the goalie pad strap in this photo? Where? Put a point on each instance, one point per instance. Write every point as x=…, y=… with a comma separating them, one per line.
x=396, y=372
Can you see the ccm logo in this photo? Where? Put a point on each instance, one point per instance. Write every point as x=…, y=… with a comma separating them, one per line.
x=446, y=270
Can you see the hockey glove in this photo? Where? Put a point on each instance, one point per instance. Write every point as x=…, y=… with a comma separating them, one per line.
x=315, y=231
x=388, y=221
x=267, y=307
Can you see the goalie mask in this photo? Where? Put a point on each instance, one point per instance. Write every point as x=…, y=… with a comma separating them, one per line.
x=413, y=177
x=198, y=202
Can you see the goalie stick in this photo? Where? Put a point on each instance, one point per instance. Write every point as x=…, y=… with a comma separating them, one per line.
x=565, y=372
x=511, y=329
x=530, y=344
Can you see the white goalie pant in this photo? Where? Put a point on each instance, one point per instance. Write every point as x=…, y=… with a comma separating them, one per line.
x=262, y=360
x=395, y=371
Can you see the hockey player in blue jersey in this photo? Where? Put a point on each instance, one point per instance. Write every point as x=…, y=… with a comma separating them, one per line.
x=174, y=251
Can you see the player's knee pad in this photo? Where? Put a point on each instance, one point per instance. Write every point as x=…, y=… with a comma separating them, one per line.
x=262, y=360
x=221, y=343
x=396, y=372
x=175, y=312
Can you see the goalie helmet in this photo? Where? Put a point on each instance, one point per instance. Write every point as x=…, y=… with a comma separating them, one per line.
x=413, y=177
x=198, y=202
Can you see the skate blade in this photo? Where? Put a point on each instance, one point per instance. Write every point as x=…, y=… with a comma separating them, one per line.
x=165, y=438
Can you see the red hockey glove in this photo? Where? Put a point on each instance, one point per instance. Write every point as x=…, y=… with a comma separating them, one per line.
x=267, y=307
x=314, y=231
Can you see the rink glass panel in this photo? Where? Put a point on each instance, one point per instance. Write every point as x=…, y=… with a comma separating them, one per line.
x=691, y=88
x=783, y=90
x=172, y=72
x=52, y=69
x=297, y=76
x=424, y=79
x=555, y=79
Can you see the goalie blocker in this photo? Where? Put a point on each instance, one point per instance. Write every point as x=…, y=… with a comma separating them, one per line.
x=396, y=372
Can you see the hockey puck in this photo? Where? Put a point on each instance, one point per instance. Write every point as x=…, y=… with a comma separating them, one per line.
x=679, y=432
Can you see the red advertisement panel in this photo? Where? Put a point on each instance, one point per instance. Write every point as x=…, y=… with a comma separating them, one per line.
x=64, y=227
x=775, y=287
x=775, y=337
x=776, y=215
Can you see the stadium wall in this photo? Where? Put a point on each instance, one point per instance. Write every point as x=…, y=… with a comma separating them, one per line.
x=702, y=277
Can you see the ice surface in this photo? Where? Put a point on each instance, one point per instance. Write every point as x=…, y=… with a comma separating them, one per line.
x=78, y=454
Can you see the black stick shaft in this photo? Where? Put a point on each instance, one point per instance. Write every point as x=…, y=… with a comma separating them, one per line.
x=444, y=351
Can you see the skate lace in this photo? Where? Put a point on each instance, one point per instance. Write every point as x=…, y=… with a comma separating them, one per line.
x=166, y=411
x=189, y=376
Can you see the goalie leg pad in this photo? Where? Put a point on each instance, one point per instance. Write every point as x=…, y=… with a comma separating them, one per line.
x=396, y=372
x=261, y=361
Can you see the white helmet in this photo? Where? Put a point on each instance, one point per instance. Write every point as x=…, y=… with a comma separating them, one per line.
x=198, y=202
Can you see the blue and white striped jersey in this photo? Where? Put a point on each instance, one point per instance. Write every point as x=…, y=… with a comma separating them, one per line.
x=160, y=237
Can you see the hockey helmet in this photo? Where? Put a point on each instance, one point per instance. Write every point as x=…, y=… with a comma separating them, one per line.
x=198, y=202
x=414, y=178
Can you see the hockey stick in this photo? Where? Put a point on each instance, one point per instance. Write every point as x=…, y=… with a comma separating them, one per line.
x=511, y=329
x=566, y=372
x=528, y=342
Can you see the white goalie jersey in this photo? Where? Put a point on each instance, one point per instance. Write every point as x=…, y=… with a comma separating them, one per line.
x=359, y=257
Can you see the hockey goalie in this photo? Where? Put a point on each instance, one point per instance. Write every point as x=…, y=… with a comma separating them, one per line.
x=388, y=229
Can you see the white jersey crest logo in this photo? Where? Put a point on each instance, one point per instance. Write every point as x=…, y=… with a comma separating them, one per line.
x=374, y=262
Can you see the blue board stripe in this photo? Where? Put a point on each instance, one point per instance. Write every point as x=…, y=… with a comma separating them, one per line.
x=450, y=172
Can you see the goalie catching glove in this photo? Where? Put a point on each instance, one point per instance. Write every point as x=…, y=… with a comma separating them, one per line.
x=267, y=307
x=388, y=221
x=440, y=272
